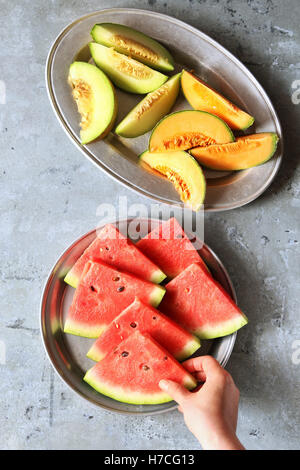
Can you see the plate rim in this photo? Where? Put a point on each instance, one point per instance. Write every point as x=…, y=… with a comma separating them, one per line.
x=118, y=178
x=47, y=348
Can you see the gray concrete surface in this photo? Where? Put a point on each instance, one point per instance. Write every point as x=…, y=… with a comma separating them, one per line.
x=49, y=196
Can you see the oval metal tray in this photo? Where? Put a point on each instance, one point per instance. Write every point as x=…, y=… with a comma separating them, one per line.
x=67, y=353
x=191, y=49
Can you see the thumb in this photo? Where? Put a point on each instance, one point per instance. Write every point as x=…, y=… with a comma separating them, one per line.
x=175, y=390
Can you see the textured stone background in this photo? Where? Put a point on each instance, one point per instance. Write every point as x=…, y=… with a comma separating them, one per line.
x=49, y=196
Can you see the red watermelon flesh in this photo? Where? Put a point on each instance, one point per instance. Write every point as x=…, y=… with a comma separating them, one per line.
x=131, y=373
x=170, y=248
x=111, y=247
x=146, y=319
x=201, y=305
x=103, y=292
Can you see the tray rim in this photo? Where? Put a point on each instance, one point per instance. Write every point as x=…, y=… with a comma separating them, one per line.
x=47, y=347
x=128, y=184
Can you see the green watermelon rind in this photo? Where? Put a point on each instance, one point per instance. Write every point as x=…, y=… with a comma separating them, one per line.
x=156, y=295
x=71, y=279
x=78, y=329
x=222, y=329
x=157, y=277
x=189, y=349
x=134, y=398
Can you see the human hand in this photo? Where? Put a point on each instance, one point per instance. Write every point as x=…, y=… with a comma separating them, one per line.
x=211, y=412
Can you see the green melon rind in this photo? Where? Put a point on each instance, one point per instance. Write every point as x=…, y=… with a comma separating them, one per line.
x=223, y=329
x=189, y=349
x=157, y=277
x=166, y=62
x=94, y=354
x=134, y=398
x=78, y=329
x=71, y=279
x=156, y=295
x=194, y=111
x=275, y=139
x=249, y=124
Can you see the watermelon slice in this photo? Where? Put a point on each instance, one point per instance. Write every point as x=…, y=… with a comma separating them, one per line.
x=198, y=302
x=141, y=317
x=132, y=371
x=170, y=248
x=113, y=248
x=103, y=292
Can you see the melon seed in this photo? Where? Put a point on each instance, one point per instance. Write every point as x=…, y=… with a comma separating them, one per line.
x=133, y=324
x=125, y=353
x=93, y=289
x=120, y=289
x=146, y=367
x=116, y=278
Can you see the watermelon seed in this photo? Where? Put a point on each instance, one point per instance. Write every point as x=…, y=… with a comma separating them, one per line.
x=120, y=289
x=153, y=318
x=93, y=289
x=107, y=248
x=146, y=367
x=125, y=353
x=165, y=358
x=133, y=324
x=116, y=278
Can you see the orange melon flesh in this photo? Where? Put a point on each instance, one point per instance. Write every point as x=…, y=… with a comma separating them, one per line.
x=187, y=129
x=204, y=98
x=246, y=152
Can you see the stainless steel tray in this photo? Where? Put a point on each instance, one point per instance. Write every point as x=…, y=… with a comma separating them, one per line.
x=191, y=49
x=67, y=353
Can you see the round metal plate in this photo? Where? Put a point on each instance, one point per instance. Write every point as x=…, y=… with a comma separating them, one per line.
x=191, y=49
x=67, y=353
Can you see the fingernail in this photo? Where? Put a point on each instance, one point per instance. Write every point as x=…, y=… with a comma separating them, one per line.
x=163, y=384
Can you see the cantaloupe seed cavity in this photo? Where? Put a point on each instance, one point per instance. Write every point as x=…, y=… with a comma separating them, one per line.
x=132, y=70
x=82, y=94
x=133, y=47
x=188, y=140
x=237, y=146
x=149, y=101
x=176, y=179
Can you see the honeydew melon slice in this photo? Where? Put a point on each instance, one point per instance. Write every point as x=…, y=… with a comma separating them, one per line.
x=133, y=43
x=95, y=98
x=125, y=72
x=143, y=117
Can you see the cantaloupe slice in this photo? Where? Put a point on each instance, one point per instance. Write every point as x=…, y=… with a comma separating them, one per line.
x=183, y=171
x=184, y=130
x=246, y=152
x=204, y=98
